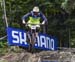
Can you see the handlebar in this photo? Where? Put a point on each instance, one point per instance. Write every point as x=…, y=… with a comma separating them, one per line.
x=33, y=24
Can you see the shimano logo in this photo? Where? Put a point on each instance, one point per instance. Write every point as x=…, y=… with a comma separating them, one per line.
x=17, y=37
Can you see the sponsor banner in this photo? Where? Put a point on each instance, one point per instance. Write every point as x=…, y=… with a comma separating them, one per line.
x=18, y=37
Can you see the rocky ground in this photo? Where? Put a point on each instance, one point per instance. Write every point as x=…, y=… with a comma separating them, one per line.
x=64, y=55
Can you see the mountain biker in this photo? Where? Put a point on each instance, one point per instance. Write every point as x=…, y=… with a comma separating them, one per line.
x=35, y=17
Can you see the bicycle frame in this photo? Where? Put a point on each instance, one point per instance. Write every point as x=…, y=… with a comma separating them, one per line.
x=32, y=35
x=33, y=28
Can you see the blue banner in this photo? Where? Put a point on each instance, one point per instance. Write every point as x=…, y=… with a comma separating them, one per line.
x=18, y=37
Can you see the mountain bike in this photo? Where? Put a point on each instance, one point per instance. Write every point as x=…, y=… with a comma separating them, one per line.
x=32, y=34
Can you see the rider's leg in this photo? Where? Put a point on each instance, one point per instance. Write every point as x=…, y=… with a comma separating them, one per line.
x=33, y=36
x=29, y=38
x=28, y=34
x=37, y=31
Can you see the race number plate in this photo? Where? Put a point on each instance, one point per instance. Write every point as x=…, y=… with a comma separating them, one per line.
x=33, y=27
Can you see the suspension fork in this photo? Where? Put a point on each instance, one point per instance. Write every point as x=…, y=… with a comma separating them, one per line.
x=29, y=37
x=33, y=37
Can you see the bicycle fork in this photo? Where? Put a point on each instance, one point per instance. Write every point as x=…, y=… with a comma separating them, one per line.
x=31, y=38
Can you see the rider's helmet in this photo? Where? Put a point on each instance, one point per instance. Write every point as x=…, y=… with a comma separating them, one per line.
x=36, y=10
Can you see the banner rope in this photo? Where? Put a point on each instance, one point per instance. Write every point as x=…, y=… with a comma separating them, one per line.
x=3, y=37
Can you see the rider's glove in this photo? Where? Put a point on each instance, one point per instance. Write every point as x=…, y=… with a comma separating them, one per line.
x=23, y=22
x=43, y=22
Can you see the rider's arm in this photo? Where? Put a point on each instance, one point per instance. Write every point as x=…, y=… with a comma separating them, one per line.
x=25, y=17
x=44, y=19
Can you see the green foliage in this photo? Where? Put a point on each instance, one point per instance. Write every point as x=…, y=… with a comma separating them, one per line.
x=3, y=44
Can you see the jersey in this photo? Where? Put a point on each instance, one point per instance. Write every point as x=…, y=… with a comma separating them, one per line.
x=34, y=19
x=31, y=14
